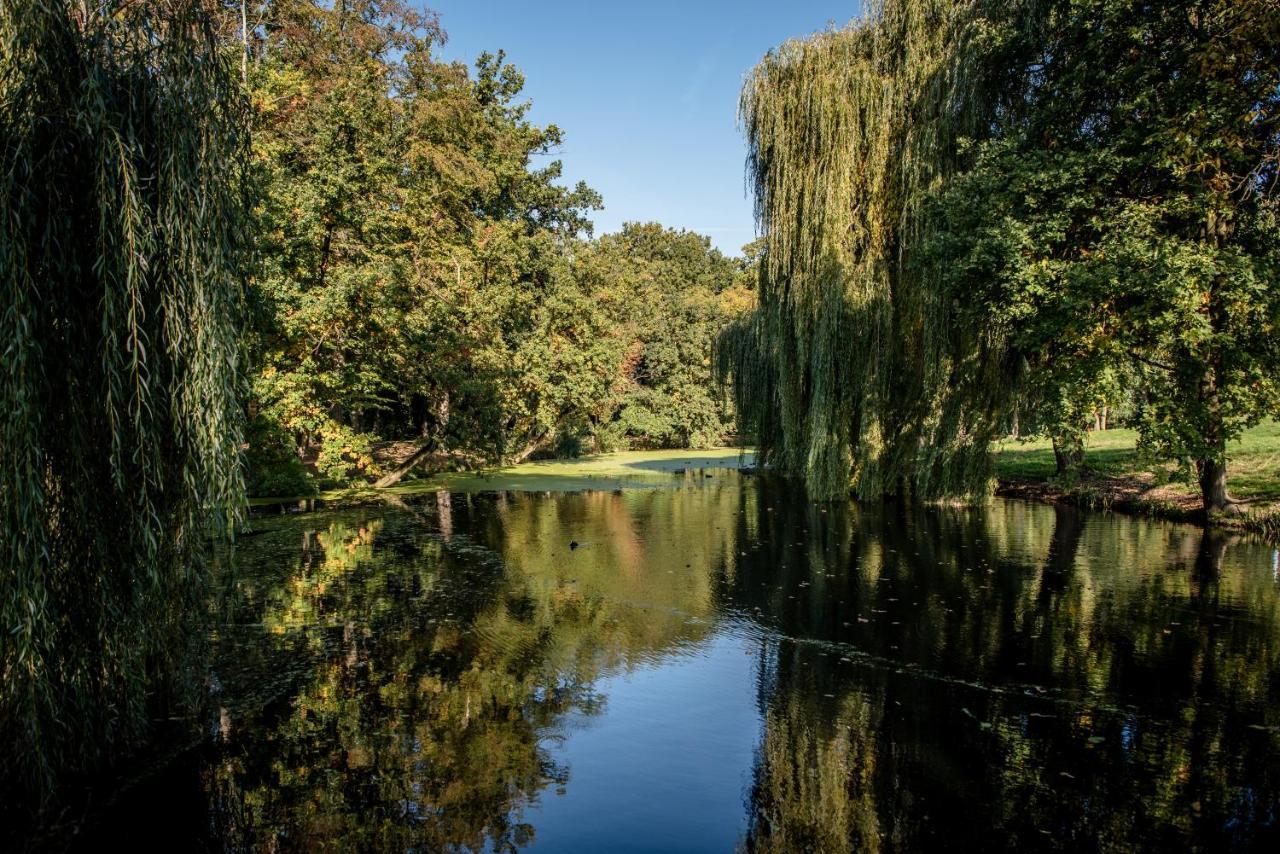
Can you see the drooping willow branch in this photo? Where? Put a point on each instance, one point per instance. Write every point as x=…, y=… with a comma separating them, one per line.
x=853, y=369
x=121, y=218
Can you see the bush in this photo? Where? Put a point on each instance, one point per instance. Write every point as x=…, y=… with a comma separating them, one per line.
x=271, y=463
x=345, y=454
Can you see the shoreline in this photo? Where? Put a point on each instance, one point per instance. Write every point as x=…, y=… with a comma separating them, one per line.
x=1134, y=497
x=1130, y=494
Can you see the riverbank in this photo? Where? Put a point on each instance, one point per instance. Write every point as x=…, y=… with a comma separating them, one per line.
x=624, y=469
x=1116, y=477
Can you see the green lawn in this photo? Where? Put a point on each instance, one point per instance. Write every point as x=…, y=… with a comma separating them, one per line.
x=600, y=471
x=1254, y=469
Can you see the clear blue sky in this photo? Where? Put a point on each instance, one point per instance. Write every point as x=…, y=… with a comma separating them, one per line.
x=645, y=92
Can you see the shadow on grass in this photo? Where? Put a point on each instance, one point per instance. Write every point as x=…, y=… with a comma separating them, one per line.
x=1039, y=462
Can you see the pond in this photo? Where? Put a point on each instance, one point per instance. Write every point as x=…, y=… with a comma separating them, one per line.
x=716, y=664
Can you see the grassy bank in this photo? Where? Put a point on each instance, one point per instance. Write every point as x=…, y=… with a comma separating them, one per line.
x=1119, y=477
x=600, y=471
x=1116, y=477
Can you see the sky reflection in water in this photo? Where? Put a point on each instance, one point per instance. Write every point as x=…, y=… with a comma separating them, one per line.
x=723, y=665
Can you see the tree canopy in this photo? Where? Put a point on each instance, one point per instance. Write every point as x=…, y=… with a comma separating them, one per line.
x=979, y=208
x=427, y=284
x=1123, y=221
x=411, y=254
x=852, y=368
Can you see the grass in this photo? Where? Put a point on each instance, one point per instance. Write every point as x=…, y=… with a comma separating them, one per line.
x=1253, y=470
x=1116, y=473
x=1116, y=477
x=599, y=471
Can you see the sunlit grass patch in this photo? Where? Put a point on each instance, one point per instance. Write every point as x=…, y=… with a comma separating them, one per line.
x=1254, y=460
x=598, y=471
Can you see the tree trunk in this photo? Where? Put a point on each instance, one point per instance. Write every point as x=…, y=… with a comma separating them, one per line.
x=326, y=246
x=1213, y=484
x=244, y=42
x=433, y=440
x=1068, y=454
x=442, y=419
x=527, y=451
x=393, y=477
x=1212, y=468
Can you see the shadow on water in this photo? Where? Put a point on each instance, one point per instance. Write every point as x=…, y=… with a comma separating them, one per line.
x=933, y=687
x=729, y=665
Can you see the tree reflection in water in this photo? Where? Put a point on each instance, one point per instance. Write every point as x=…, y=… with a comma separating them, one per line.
x=1017, y=676
x=1118, y=693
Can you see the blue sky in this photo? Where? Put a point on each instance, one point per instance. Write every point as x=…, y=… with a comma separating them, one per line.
x=646, y=94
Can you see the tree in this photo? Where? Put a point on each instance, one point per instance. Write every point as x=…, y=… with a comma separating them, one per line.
x=411, y=251
x=667, y=293
x=428, y=295
x=1002, y=246
x=1124, y=218
x=850, y=368
x=121, y=243
x=975, y=207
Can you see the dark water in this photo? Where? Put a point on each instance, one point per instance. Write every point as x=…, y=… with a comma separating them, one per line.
x=720, y=665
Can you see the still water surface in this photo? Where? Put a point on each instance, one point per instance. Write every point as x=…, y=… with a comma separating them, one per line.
x=718, y=664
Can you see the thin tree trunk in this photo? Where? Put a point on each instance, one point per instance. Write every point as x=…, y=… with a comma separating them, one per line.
x=528, y=450
x=442, y=419
x=1212, y=468
x=326, y=247
x=433, y=441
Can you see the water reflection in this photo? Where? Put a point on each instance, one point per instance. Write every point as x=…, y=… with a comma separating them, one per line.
x=1012, y=678
x=434, y=675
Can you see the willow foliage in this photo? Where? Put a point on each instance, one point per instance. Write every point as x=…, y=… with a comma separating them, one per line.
x=120, y=299
x=851, y=370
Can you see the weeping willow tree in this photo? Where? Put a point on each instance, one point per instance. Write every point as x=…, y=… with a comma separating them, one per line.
x=851, y=369
x=120, y=304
